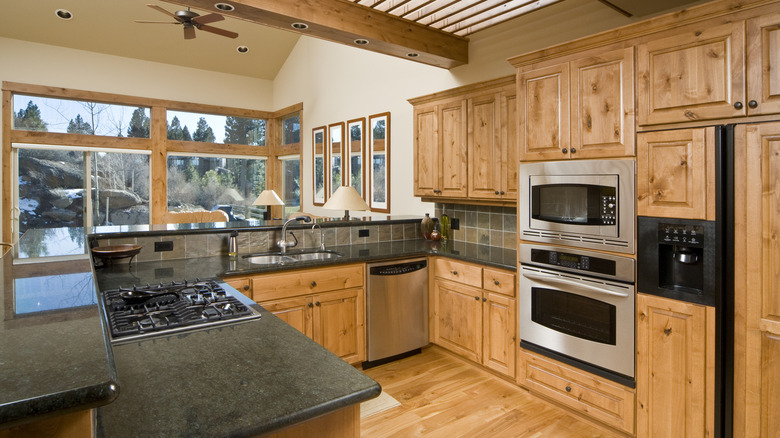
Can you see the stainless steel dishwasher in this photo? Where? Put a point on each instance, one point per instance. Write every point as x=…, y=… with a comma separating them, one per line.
x=396, y=310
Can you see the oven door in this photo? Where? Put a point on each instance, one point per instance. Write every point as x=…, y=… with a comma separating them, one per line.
x=585, y=319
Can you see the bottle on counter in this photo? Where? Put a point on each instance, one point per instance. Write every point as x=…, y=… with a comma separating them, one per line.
x=436, y=234
x=233, y=244
x=426, y=227
x=444, y=222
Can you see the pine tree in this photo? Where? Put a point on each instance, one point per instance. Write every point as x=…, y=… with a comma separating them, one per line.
x=79, y=126
x=203, y=132
x=239, y=130
x=139, y=124
x=174, y=130
x=185, y=134
x=29, y=119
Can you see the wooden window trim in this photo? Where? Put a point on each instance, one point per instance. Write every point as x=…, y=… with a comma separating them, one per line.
x=388, y=146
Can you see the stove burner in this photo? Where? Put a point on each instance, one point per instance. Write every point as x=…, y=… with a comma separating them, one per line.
x=151, y=309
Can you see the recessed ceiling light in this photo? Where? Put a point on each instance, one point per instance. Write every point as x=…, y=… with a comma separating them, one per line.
x=64, y=14
x=412, y=55
x=225, y=7
x=242, y=49
x=361, y=42
x=300, y=26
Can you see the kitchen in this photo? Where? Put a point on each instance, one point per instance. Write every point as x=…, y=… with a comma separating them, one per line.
x=327, y=80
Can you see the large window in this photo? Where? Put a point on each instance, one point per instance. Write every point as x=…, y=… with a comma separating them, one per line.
x=291, y=129
x=208, y=183
x=291, y=183
x=210, y=128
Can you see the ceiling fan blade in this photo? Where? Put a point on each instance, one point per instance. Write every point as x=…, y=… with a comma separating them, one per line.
x=218, y=31
x=156, y=22
x=155, y=7
x=208, y=18
x=189, y=32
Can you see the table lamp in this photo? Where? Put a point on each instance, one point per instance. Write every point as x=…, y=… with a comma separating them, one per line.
x=346, y=198
x=268, y=197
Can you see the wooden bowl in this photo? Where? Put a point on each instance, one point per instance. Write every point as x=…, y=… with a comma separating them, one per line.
x=112, y=252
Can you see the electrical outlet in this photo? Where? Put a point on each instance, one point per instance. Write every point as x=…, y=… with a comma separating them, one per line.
x=166, y=245
x=363, y=233
x=454, y=223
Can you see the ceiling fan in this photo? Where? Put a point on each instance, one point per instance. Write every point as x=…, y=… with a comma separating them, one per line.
x=191, y=21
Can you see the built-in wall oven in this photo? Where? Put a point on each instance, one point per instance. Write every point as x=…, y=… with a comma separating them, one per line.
x=578, y=307
x=582, y=203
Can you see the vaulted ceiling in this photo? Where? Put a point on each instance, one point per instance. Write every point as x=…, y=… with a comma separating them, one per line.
x=434, y=32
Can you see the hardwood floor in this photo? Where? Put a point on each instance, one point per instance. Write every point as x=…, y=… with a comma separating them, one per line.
x=444, y=396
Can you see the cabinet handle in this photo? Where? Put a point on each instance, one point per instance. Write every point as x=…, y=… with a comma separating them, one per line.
x=496, y=192
x=476, y=298
x=496, y=282
x=502, y=192
x=313, y=284
x=668, y=331
x=484, y=300
x=565, y=151
x=317, y=303
x=246, y=287
x=738, y=105
x=311, y=305
x=753, y=104
x=573, y=150
x=454, y=272
x=568, y=388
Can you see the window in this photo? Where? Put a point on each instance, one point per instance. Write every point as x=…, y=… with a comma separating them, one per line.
x=210, y=128
x=354, y=149
x=291, y=129
x=318, y=146
x=335, y=144
x=379, y=153
x=48, y=114
x=291, y=189
x=209, y=182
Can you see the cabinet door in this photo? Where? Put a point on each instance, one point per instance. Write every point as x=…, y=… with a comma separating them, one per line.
x=484, y=147
x=757, y=281
x=763, y=64
x=426, y=150
x=339, y=323
x=457, y=312
x=242, y=285
x=675, y=173
x=602, y=105
x=453, y=149
x=694, y=75
x=675, y=368
x=498, y=335
x=543, y=113
x=293, y=311
x=509, y=165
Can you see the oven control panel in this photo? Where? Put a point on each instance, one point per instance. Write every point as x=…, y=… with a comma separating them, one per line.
x=572, y=261
x=608, y=209
x=688, y=235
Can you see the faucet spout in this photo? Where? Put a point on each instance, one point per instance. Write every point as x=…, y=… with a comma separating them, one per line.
x=322, y=236
x=283, y=244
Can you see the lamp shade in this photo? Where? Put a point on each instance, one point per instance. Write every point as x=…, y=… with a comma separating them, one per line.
x=268, y=197
x=346, y=198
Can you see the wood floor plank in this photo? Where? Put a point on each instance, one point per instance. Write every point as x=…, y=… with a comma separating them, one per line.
x=444, y=396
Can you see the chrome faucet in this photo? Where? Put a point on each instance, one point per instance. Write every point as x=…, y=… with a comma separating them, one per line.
x=283, y=244
x=322, y=236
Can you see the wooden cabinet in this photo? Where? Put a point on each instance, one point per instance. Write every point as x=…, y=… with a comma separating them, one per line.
x=478, y=324
x=583, y=108
x=676, y=173
x=675, y=368
x=594, y=396
x=757, y=281
x=465, y=143
x=440, y=167
x=325, y=304
x=242, y=285
x=763, y=64
x=71, y=425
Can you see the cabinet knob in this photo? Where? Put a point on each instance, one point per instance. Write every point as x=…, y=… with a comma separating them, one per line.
x=476, y=298
x=311, y=305
x=502, y=192
x=496, y=282
x=568, y=388
x=753, y=104
x=246, y=287
x=565, y=151
x=454, y=272
x=738, y=105
x=317, y=303
x=484, y=299
x=573, y=150
x=496, y=192
x=313, y=284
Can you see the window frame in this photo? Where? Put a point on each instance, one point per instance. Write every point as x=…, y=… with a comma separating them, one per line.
x=370, y=153
x=361, y=121
x=324, y=130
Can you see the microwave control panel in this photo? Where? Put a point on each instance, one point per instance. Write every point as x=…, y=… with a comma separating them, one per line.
x=608, y=209
x=688, y=235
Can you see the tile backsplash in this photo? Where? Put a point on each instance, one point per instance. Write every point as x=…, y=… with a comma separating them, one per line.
x=485, y=225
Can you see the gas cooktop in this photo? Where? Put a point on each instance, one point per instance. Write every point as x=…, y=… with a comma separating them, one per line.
x=142, y=311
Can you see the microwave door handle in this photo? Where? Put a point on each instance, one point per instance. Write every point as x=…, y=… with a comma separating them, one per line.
x=571, y=283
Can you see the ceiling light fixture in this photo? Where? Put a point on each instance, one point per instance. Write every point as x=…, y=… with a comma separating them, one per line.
x=300, y=26
x=225, y=7
x=242, y=49
x=64, y=14
x=361, y=42
x=412, y=55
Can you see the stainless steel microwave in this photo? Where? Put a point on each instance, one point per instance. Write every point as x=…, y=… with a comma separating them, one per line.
x=580, y=203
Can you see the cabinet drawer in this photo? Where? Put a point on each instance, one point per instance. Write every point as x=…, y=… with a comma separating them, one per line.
x=240, y=284
x=294, y=283
x=600, y=399
x=499, y=281
x=458, y=271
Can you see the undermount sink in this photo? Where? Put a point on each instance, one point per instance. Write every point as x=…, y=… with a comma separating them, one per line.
x=315, y=255
x=269, y=259
x=278, y=258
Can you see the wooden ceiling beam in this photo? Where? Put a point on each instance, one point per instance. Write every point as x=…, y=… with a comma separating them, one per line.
x=342, y=21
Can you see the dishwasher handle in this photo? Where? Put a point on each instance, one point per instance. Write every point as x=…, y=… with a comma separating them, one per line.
x=398, y=268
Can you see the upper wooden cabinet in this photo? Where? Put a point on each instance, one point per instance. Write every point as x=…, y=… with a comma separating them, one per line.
x=763, y=67
x=583, y=108
x=676, y=173
x=465, y=143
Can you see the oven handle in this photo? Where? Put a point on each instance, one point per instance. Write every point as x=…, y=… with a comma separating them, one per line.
x=571, y=283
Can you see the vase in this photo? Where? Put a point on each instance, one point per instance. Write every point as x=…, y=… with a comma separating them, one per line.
x=426, y=226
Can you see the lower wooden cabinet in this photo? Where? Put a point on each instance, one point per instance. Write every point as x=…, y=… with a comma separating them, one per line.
x=72, y=425
x=457, y=313
x=675, y=368
x=594, y=396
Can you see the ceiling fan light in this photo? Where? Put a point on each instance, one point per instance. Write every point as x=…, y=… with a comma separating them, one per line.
x=227, y=7
x=242, y=49
x=64, y=14
x=300, y=26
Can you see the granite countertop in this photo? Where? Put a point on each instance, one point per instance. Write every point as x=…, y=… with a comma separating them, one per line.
x=54, y=356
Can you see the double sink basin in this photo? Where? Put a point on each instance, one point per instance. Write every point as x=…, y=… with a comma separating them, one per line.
x=290, y=257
